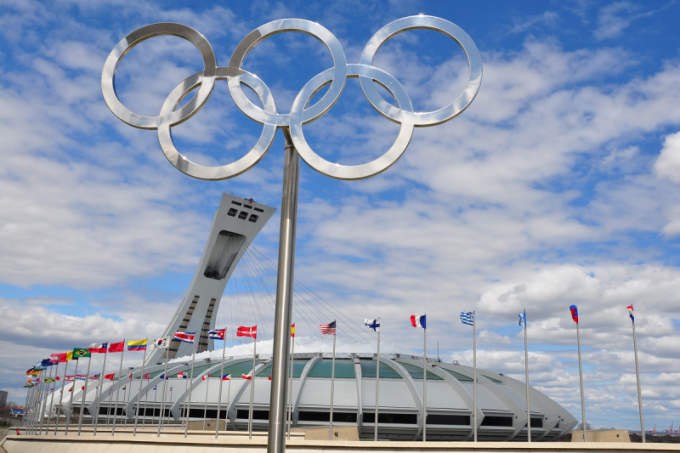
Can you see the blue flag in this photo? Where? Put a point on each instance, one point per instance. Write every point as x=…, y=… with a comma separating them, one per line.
x=522, y=319
x=466, y=317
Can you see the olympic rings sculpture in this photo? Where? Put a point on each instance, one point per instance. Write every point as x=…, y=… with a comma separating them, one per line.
x=301, y=113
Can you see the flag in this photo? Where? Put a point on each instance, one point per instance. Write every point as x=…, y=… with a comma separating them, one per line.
x=467, y=318
x=419, y=321
x=243, y=331
x=80, y=352
x=154, y=387
x=98, y=348
x=161, y=343
x=246, y=376
x=28, y=385
x=574, y=313
x=269, y=377
x=137, y=345
x=522, y=319
x=217, y=334
x=46, y=362
x=206, y=376
x=94, y=376
x=292, y=330
x=49, y=380
x=58, y=358
x=147, y=376
x=373, y=324
x=630, y=312
x=163, y=376
x=328, y=329
x=182, y=375
x=32, y=372
x=186, y=337
x=226, y=377
x=170, y=389
x=109, y=376
x=58, y=378
x=117, y=347
x=130, y=376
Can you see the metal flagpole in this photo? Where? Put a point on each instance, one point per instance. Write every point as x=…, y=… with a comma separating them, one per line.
x=126, y=399
x=526, y=371
x=61, y=397
x=290, y=384
x=70, y=404
x=474, y=371
x=377, y=388
x=186, y=389
x=139, y=394
x=44, y=399
x=205, y=408
x=82, y=400
x=146, y=400
x=108, y=406
x=284, y=296
x=24, y=418
x=580, y=373
x=36, y=401
x=252, y=391
x=27, y=408
x=193, y=358
x=330, y=425
x=219, y=397
x=99, y=391
x=120, y=377
x=637, y=374
x=424, y=380
x=155, y=398
x=49, y=414
x=226, y=418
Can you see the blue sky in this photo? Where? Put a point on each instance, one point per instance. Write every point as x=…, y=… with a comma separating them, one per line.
x=559, y=185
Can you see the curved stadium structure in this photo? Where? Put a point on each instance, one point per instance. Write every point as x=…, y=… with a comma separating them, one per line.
x=501, y=403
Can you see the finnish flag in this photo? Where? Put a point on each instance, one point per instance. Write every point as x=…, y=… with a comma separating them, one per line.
x=373, y=324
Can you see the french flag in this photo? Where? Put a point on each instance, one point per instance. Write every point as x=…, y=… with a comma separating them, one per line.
x=187, y=337
x=418, y=321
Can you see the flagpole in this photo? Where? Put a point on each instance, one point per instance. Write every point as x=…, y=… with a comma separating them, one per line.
x=186, y=389
x=219, y=398
x=193, y=358
x=44, y=405
x=526, y=372
x=474, y=372
x=82, y=401
x=252, y=391
x=290, y=385
x=580, y=373
x=424, y=381
x=99, y=391
x=27, y=407
x=226, y=418
x=330, y=426
x=155, y=398
x=120, y=377
x=205, y=408
x=139, y=394
x=146, y=400
x=36, y=401
x=377, y=388
x=126, y=400
x=637, y=375
x=61, y=396
x=49, y=416
x=70, y=404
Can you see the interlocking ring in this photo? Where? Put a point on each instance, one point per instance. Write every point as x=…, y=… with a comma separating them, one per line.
x=301, y=113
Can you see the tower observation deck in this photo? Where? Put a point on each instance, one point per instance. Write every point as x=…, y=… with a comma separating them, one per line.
x=236, y=223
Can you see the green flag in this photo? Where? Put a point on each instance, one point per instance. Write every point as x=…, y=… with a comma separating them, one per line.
x=78, y=352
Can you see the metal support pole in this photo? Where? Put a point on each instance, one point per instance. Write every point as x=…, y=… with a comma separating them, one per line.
x=219, y=397
x=61, y=398
x=54, y=386
x=639, y=389
x=46, y=393
x=290, y=385
x=424, y=383
x=474, y=372
x=139, y=394
x=526, y=372
x=377, y=390
x=580, y=373
x=330, y=426
x=82, y=400
x=99, y=392
x=191, y=377
x=120, y=377
x=226, y=418
x=252, y=391
x=70, y=403
x=155, y=399
x=284, y=297
x=205, y=407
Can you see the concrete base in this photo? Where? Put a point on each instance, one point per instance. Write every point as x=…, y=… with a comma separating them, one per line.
x=602, y=435
x=241, y=444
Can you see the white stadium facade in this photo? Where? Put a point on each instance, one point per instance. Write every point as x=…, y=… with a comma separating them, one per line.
x=501, y=401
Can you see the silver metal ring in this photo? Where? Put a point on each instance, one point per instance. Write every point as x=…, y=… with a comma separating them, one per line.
x=280, y=26
x=350, y=172
x=126, y=44
x=225, y=171
x=430, y=23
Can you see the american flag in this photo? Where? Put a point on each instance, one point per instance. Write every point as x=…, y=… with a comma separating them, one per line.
x=328, y=329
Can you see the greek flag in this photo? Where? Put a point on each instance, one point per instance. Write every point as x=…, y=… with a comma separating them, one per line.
x=466, y=317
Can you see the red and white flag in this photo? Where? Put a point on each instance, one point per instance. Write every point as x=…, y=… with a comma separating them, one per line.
x=206, y=376
x=98, y=348
x=246, y=376
x=117, y=347
x=250, y=332
x=186, y=337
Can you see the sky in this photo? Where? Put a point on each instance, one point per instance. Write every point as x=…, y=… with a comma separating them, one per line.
x=557, y=186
